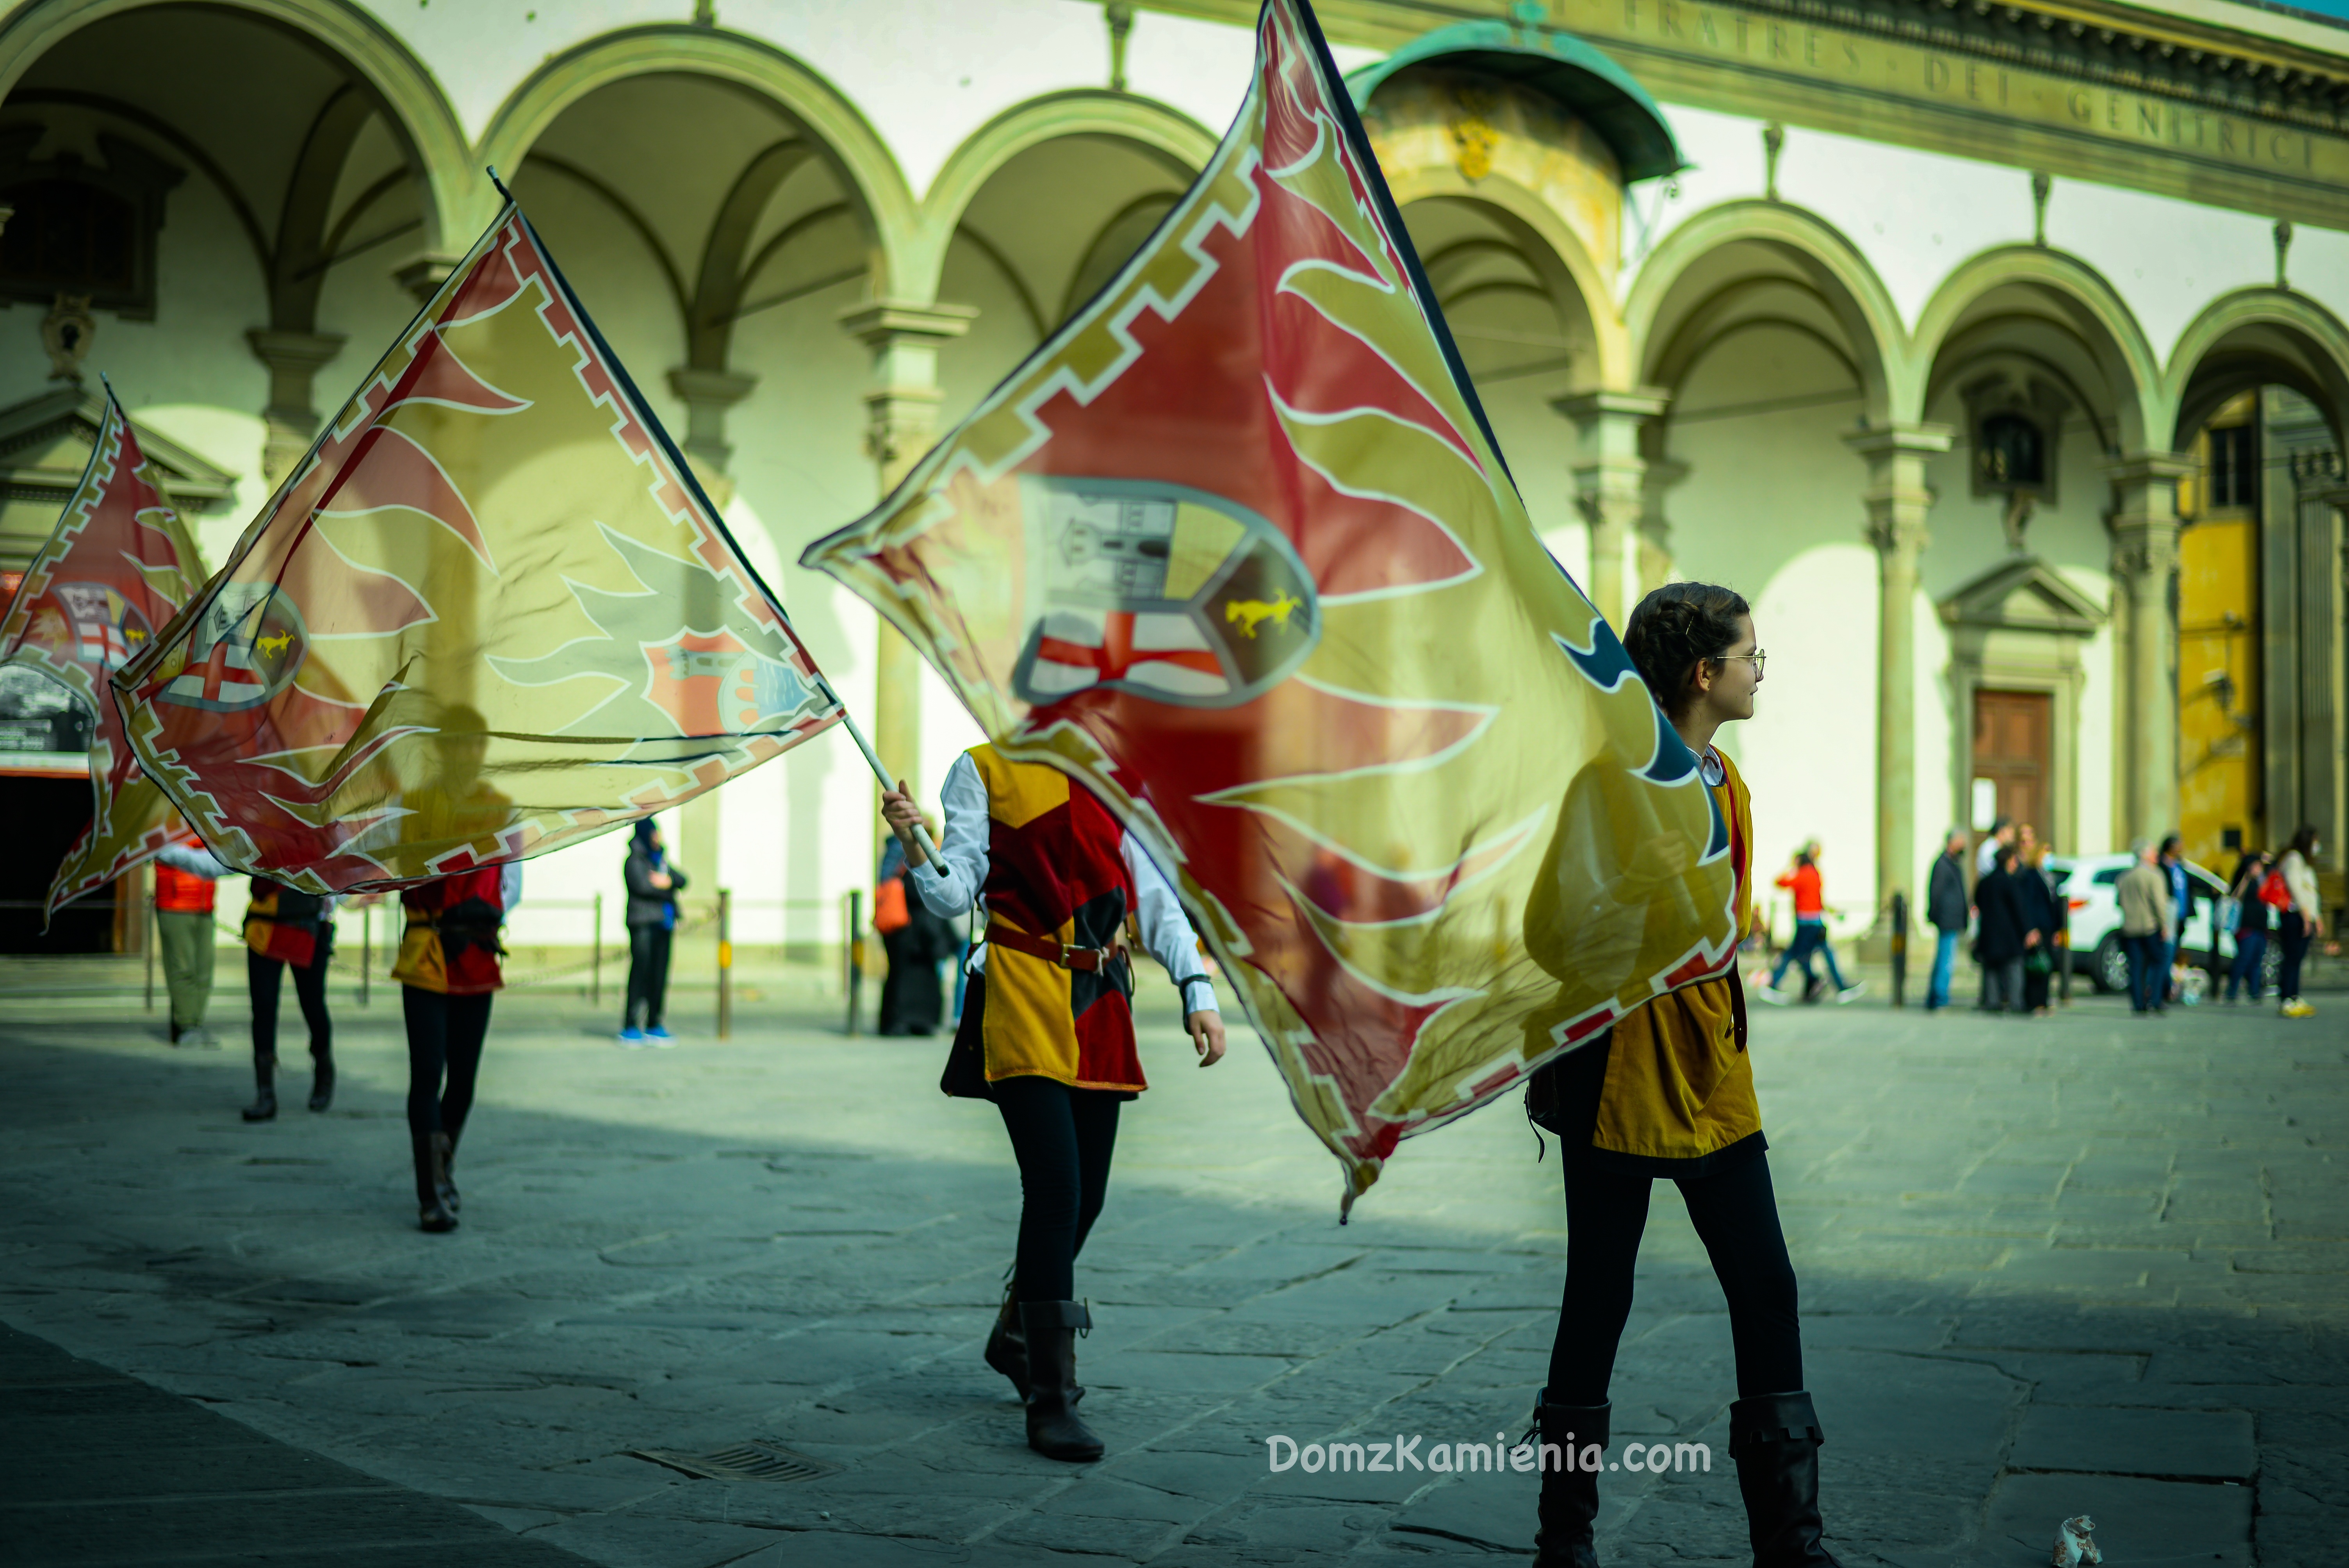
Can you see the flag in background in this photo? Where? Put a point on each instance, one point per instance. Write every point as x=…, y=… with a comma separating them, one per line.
x=120, y=564
x=1236, y=548
x=490, y=614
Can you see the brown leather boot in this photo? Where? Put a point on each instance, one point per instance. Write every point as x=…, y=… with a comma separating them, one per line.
x=264, y=1078
x=432, y=1213
x=1775, y=1439
x=1054, y=1429
x=1564, y=1436
x=1007, y=1345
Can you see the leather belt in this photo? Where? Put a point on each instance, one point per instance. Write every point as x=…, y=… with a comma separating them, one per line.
x=1091, y=960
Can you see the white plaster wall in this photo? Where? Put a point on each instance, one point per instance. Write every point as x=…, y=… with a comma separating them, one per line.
x=2170, y=259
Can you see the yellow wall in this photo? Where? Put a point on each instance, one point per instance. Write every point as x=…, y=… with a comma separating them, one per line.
x=2217, y=670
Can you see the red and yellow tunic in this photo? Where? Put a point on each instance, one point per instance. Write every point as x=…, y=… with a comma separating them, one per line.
x=1056, y=870
x=1671, y=1091
x=450, y=944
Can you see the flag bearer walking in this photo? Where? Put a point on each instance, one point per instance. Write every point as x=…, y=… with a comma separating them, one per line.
x=285, y=930
x=186, y=879
x=1047, y=1032
x=1670, y=1092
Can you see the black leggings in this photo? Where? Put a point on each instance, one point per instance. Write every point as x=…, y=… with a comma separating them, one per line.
x=1736, y=1216
x=264, y=977
x=444, y=1036
x=1062, y=1138
x=648, y=948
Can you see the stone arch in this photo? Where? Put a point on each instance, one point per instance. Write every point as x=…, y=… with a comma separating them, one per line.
x=846, y=142
x=1832, y=268
x=2258, y=334
x=1571, y=274
x=402, y=87
x=2087, y=306
x=1167, y=134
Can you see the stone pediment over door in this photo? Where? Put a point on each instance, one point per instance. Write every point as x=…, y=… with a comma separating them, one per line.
x=2017, y=631
x=2023, y=594
x=45, y=445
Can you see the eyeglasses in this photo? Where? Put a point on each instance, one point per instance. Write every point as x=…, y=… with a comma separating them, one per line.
x=1755, y=658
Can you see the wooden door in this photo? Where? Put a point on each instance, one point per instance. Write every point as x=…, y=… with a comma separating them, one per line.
x=2013, y=756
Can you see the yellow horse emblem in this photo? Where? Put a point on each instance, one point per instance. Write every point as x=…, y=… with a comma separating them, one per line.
x=1250, y=613
x=276, y=644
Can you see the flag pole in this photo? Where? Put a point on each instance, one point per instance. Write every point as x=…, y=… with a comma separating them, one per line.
x=873, y=760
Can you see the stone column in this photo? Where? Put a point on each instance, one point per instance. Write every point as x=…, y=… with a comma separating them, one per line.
x=2144, y=523
x=423, y=273
x=1898, y=501
x=1655, y=529
x=708, y=396
x=293, y=359
x=1608, y=475
x=901, y=422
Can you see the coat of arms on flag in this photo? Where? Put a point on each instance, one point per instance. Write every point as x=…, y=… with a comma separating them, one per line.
x=119, y=565
x=1236, y=548
x=490, y=613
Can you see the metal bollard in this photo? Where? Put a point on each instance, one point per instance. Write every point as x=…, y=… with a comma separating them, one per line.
x=855, y=950
x=1899, y=948
x=2064, y=964
x=596, y=962
x=367, y=951
x=725, y=964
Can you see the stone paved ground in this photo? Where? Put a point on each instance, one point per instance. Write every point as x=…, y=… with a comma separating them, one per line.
x=2090, y=1265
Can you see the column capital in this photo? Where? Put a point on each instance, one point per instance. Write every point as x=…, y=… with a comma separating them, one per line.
x=884, y=323
x=2150, y=468
x=423, y=273
x=1591, y=406
x=1877, y=442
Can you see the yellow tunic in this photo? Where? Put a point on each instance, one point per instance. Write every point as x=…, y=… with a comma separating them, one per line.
x=1679, y=1085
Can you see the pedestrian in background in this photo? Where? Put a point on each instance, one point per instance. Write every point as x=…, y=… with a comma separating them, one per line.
x=913, y=994
x=449, y=972
x=285, y=929
x=2252, y=912
x=2144, y=895
x=2001, y=927
x=186, y=879
x=1946, y=907
x=653, y=886
x=2181, y=907
x=2301, y=920
x=2002, y=836
x=2043, y=918
x=1802, y=880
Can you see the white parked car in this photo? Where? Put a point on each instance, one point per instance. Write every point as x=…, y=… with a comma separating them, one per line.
x=2086, y=884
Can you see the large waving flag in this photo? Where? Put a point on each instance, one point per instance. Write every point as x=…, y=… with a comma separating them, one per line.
x=1236, y=548
x=119, y=565
x=490, y=613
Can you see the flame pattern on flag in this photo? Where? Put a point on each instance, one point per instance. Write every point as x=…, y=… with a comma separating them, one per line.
x=1236, y=548
x=120, y=564
x=490, y=614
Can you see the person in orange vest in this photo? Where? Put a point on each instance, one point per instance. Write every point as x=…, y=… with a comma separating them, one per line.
x=1047, y=1031
x=285, y=929
x=186, y=874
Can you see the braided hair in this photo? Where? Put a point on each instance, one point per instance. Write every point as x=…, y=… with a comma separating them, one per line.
x=1677, y=627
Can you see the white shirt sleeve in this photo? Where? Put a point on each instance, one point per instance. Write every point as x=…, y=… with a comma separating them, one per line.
x=193, y=859
x=950, y=885
x=510, y=884
x=1165, y=932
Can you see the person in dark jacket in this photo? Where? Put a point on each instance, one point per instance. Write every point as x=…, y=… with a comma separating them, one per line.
x=653, y=887
x=1946, y=909
x=2251, y=924
x=913, y=996
x=2172, y=865
x=1999, y=934
x=2044, y=917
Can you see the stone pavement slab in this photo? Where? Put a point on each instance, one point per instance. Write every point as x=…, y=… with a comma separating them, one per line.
x=2087, y=1264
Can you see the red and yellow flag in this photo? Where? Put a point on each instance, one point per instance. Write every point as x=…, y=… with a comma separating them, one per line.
x=119, y=565
x=1236, y=548
x=490, y=614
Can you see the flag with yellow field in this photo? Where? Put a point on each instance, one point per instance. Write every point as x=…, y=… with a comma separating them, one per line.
x=490, y=613
x=120, y=564
x=1236, y=548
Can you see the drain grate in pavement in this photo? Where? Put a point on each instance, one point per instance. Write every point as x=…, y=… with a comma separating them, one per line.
x=756, y=1461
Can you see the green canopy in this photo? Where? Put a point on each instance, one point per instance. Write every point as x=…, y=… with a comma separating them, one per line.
x=1562, y=68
